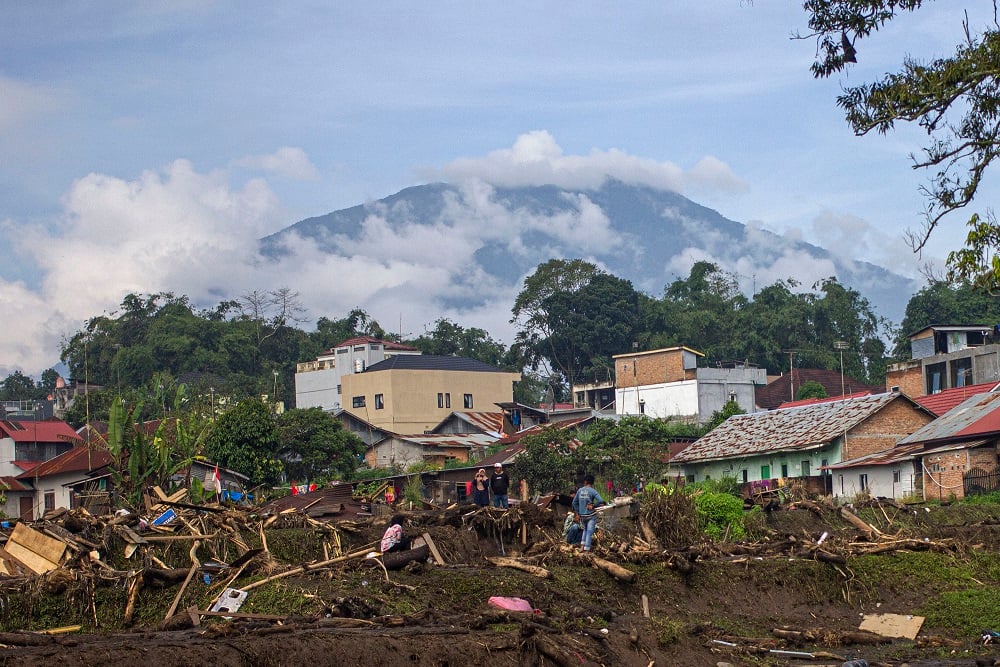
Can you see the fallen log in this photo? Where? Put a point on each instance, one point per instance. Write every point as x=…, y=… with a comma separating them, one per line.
x=306, y=568
x=615, y=570
x=871, y=531
x=504, y=561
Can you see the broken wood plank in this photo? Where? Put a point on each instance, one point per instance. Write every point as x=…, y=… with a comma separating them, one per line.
x=36, y=551
x=433, y=548
x=306, y=568
x=871, y=531
x=892, y=625
x=177, y=538
x=194, y=568
x=505, y=561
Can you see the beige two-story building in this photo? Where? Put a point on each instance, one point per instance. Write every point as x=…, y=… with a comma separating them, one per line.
x=413, y=394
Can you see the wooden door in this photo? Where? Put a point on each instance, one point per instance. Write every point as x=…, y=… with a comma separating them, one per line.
x=26, y=506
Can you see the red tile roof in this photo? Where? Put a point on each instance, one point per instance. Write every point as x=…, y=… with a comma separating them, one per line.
x=784, y=387
x=43, y=431
x=365, y=340
x=79, y=459
x=943, y=401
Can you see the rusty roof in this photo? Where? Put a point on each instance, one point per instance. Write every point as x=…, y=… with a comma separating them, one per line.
x=943, y=401
x=974, y=417
x=491, y=422
x=452, y=439
x=886, y=457
x=78, y=459
x=11, y=484
x=797, y=428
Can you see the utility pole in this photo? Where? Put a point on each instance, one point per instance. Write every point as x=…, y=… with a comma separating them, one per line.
x=841, y=345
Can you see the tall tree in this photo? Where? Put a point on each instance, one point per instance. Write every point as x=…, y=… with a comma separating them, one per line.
x=953, y=98
x=245, y=439
x=313, y=445
x=941, y=302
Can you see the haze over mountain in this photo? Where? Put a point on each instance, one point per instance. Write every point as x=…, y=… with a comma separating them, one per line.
x=488, y=238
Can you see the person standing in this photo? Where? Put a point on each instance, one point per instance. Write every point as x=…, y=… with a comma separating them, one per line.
x=481, y=488
x=585, y=504
x=499, y=483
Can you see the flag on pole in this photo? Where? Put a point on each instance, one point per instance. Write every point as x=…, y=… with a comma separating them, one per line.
x=217, y=481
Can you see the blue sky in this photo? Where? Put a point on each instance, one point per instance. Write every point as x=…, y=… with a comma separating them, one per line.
x=146, y=145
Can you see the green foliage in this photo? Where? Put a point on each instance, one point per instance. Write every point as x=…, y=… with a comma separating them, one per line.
x=245, y=439
x=19, y=387
x=721, y=515
x=548, y=463
x=966, y=612
x=953, y=97
x=314, y=445
x=728, y=410
x=810, y=389
x=729, y=485
x=414, y=490
x=448, y=338
x=939, y=302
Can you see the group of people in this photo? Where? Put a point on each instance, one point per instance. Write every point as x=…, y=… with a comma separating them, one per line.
x=495, y=486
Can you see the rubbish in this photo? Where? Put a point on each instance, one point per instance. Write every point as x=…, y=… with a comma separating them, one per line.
x=822, y=538
x=231, y=599
x=855, y=663
x=990, y=636
x=511, y=604
x=892, y=625
x=36, y=551
x=165, y=518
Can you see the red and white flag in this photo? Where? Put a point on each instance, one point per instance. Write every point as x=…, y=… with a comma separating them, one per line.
x=217, y=481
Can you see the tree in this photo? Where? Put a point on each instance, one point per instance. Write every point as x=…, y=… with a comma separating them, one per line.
x=18, y=387
x=245, y=439
x=810, y=389
x=953, y=98
x=573, y=317
x=728, y=410
x=313, y=444
x=941, y=302
x=448, y=338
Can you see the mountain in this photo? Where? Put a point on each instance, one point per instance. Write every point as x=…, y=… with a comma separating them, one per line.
x=648, y=236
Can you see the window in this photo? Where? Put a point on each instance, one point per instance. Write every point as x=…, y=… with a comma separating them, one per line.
x=440, y=400
x=895, y=477
x=338, y=390
x=823, y=464
x=745, y=476
x=358, y=402
x=863, y=481
x=935, y=377
x=467, y=401
x=784, y=470
x=690, y=478
x=379, y=403
x=642, y=407
x=50, y=501
x=765, y=472
x=447, y=400
x=805, y=469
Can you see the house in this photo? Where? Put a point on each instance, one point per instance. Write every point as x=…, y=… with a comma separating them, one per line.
x=960, y=449
x=434, y=449
x=783, y=388
x=668, y=383
x=893, y=473
x=801, y=441
x=51, y=480
x=25, y=444
x=318, y=383
x=414, y=393
x=944, y=401
x=946, y=357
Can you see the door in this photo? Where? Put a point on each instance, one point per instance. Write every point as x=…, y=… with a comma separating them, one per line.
x=25, y=506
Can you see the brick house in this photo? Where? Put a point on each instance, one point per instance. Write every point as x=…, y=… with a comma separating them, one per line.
x=960, y=449
x=800, y=442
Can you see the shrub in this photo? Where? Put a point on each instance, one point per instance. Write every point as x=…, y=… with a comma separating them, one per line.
x=721, y=515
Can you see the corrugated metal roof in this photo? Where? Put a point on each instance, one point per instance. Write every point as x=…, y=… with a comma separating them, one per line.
x=43, y=431
x=887, y=457
x=975, y=416
x=790, y=429
x=484, y=421
x=452, y=439
x=78, y=459
x=943, y=401
x=11, y=484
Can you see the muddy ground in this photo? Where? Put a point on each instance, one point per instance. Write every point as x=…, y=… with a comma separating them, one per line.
x=723, y=611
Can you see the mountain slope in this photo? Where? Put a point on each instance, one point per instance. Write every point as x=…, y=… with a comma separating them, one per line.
x=648, y=236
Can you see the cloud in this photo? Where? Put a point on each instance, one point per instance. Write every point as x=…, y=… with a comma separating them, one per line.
x=288, y=161
x=536, y=159
x=23, y=101
x=851, y=238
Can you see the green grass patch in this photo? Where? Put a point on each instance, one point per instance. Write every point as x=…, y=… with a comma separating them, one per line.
x=965, y=612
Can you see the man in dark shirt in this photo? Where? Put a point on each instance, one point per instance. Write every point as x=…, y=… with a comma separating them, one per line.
x=499, y=483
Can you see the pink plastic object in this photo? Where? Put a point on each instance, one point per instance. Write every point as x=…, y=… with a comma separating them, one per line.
x=511, y=604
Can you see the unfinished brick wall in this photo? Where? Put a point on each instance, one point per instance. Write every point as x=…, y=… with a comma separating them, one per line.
x=884, y=429
x=651, y=368
x=908, y=376
x=944, y=473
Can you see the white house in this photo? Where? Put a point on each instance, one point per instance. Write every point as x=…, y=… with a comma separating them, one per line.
x=894, y=473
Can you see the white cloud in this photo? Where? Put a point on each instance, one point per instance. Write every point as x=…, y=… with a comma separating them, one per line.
x=536, y=159
x=23, y=101
x=852, y=238
x=288, y=161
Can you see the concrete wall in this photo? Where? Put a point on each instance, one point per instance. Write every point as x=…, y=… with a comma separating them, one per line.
x=655, y=367
x=753, y=465
x=410, y=397
x=943, y=472
x=896, y=480
x=318, y=389
x=716, y=385
x=674, y=399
